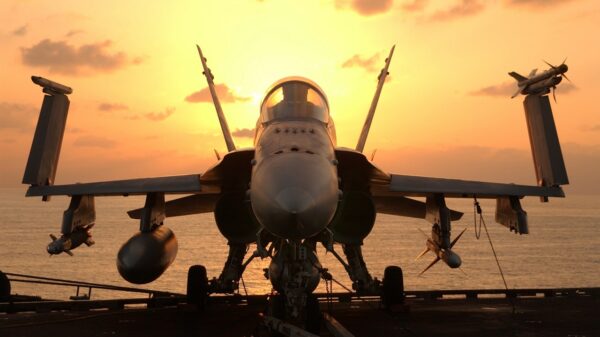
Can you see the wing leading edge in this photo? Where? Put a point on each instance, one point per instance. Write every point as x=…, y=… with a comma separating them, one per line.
x=170, y=185
x=416, y=186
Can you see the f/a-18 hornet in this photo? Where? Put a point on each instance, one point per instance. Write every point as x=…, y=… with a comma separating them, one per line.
x=294, y=191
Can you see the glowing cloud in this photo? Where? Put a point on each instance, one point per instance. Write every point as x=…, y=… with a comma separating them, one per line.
x=62, y=57
x=107, y=107
x=366, y=7
x=21, y=31
x=357, y=61
x=223, y=91
x=462, y=9
x=415, y=5
x=507, y=89
x=535, y=3
x=16, y=116
x=94, y=141
x=243, y=133
x=159, y=116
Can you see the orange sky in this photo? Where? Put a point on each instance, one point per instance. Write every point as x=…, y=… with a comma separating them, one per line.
x=445, y=112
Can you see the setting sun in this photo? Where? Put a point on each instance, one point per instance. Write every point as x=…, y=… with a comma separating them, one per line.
x=138, y=83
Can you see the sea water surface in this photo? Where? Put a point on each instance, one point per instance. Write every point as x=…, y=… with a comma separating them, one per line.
x=562, y=249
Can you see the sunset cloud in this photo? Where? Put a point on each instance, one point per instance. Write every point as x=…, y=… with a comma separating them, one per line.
x=108, y=107
x=243, y=133
x=94, y=141
x=73, y=32
x=535, y=3
x=159, y=116
x=593, y=128
x=414, y=5
x=357, y=61
x=504, y=165
x=21, y=31
x=507, y=89
x=225, y=94
x=366, y=7
x=64, y=58
x=16, y=116
x=566, y=88
x=462, y=9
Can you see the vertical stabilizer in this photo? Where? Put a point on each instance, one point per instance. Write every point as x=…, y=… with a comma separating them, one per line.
x=47, y=140
x=545, y=146
x=362, y=140
x=211, y=87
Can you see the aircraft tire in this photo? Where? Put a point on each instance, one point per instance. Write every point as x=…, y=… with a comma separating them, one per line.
x=4, y=287
x=393, y=287
x=197, y=286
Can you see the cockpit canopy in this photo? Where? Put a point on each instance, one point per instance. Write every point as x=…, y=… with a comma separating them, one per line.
x=295, y=98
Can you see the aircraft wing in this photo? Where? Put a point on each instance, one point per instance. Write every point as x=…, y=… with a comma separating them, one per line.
x=416, y=186
x=403, y=206
x=231, y=172
x=353, y=166
x=174, y=184
x=191, y=204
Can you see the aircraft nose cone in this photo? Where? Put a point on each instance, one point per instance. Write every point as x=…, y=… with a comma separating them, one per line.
x=52, y=249
x=294, y=196
x=294, y=200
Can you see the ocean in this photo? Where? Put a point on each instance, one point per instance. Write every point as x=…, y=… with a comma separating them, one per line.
x=562, y=249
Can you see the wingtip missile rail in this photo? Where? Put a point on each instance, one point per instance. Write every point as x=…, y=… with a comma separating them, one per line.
x=51, y=87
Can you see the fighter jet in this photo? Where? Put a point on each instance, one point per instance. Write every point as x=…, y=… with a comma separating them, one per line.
x=294, y=191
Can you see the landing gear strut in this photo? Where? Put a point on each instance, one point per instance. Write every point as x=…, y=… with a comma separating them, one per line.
x=295, y=273
x=228, y=281
x=362, y=282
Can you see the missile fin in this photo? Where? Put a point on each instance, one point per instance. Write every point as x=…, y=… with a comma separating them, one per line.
x=516, y=93
x=430, y=265
x=517, y=76
x=551, y=66
x=458, y=237
x=532, y=73
x=422, y=253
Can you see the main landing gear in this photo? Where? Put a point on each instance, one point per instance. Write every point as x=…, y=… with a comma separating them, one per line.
x=295, y=273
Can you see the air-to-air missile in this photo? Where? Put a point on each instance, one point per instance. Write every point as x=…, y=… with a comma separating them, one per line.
x=541, y=83
x=435, y=245
x=68, y=242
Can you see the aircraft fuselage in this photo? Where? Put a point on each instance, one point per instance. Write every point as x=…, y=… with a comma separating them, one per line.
x=294, y=185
